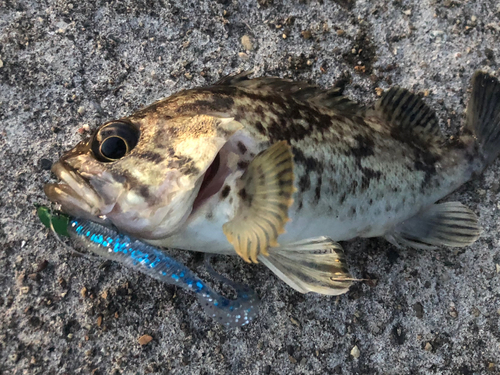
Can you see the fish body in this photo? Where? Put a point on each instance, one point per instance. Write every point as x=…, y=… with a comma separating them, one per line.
x=279, y=172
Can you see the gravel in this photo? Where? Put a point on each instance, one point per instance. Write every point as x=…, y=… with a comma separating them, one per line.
x=66, y=67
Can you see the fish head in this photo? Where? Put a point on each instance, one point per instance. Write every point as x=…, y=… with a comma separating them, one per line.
x=144, y=174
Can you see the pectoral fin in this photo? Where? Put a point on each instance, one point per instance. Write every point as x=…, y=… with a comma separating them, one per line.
x=266, y=190
x=313, y=265
x=446, y=224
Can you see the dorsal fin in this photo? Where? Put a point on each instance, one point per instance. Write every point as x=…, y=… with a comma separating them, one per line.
x=301, y=91
x=233, y=79
x=333, y=98
x=408, y=112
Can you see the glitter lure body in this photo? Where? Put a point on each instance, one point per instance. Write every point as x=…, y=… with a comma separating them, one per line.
x=137, y=255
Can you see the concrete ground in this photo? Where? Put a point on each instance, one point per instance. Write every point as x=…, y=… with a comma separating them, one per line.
x=69, y=65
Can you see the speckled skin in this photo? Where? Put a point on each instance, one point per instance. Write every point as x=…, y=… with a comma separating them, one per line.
x=356, y=174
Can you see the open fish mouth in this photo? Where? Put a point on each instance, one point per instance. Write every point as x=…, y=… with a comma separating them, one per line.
x=75, y=193
x=212, y=182
x=215, y=176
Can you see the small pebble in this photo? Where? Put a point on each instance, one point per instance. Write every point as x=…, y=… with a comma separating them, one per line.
x=453, y=312
x=81, y=111
x=355, y=353
x=104, y=294
x=243, y=56
x=45, y=164
x=1, y=64
x=42, y=265
x=428, y=347
x=62, y=282
x=360, y=68
x=99, y=320
x=306, y=34
x=144, y=340
x=419, y=310
x=340, y=32
x=84, y=129
x=407, y=12
x=498, y=267
x=379, y=91
x=295, y=322
x=246, y=42
x=83, y=292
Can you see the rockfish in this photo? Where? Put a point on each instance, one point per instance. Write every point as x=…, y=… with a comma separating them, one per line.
x=279, y=172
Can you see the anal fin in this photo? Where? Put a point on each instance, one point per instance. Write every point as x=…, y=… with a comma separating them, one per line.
x=266, y=190
x=314, y=265
x=447, y=224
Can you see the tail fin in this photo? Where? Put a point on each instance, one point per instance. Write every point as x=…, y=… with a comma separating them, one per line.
x=483, y=114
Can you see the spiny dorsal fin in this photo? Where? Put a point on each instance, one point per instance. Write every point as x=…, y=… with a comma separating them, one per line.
x=301, y=91
x=334, y=99
x=234, y=79
x=266, y=195
x=407, y=112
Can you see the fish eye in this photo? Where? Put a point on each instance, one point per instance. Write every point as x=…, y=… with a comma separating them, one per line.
x=114, y=140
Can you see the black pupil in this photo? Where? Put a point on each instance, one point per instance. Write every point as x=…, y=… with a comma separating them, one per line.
x=113, y=148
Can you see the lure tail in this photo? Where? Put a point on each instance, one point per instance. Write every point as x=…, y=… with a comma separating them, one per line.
x=132, y=253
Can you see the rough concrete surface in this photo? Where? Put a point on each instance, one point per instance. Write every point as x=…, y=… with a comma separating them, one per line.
x=65, y=64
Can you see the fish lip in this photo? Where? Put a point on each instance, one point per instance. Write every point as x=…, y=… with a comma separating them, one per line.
x=73, y=192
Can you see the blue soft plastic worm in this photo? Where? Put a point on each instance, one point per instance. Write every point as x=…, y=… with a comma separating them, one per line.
x=149, y=260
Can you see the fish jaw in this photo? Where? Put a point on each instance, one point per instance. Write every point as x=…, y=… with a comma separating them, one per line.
x=89, y=190
x=75, y=193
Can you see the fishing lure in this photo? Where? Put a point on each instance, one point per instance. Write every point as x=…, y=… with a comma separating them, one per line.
x=137, y=255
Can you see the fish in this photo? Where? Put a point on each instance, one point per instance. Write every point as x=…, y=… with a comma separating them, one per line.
x=280, y=172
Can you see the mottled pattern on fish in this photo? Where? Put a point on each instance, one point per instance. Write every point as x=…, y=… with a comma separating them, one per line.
x=351, y=165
